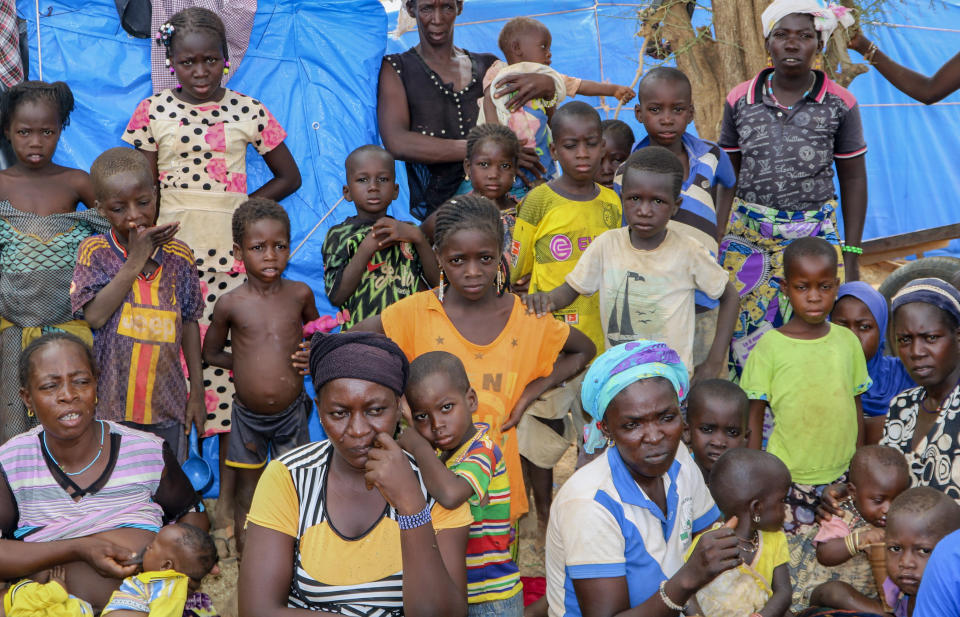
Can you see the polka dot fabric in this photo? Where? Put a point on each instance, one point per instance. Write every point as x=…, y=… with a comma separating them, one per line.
x=203, y=147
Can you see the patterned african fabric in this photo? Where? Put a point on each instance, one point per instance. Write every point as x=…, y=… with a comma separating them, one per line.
x=201, y=157
x=933, y=462
x=551, y=234
x=356, y=577
x=491, y=573
x=37, y=254
x=807, y=573
x=788, y=154
x=393, y=273
x=159, y=594
x=138, y=348
x=752, y=252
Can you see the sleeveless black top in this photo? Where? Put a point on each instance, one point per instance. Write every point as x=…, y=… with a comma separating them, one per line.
x=437, y=110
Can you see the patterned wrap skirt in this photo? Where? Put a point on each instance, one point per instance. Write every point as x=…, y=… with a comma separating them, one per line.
x=752, y=252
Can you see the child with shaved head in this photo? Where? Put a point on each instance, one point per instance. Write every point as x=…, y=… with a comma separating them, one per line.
x=137, y=287
x=750, y=487
x=917, y=520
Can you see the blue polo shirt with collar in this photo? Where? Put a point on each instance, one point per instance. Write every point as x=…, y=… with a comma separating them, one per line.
x=603, y=525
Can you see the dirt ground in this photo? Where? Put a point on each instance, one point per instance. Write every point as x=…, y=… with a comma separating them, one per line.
x=221, y=588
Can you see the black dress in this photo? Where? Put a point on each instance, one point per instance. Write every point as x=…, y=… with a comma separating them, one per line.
x=437, y=110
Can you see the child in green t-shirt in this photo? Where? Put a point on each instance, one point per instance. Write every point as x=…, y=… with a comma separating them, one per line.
x=811, y=373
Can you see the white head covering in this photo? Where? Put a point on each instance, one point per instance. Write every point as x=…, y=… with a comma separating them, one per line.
x=826, y=17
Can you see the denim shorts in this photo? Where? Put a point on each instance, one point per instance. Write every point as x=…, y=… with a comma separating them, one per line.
x=509, y=607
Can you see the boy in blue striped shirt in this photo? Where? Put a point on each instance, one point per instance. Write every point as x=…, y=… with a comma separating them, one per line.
x=665, y=108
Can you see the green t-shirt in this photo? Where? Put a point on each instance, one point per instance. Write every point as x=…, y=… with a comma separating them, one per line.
x=810, y=386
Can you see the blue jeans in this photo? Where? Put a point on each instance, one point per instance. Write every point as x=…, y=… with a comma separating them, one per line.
x=510, y=607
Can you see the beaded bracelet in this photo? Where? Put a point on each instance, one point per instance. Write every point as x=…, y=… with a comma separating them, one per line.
x=856, y=250
x=413, y=521
x=673, y=606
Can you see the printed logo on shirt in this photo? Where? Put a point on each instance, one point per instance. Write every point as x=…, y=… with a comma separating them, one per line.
x=560, y=247
x=571, y=318
x=148, y=324
x=685, y=520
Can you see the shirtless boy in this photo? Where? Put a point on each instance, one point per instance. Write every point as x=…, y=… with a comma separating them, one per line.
x=264, y=319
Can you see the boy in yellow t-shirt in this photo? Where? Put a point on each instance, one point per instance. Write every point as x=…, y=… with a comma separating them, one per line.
x=557, y=221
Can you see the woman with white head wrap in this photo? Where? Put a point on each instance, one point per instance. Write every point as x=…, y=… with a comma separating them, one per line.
x=786, y=130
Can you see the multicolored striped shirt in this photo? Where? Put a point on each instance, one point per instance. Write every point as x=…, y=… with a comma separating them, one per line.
x=491, y=572
x=138, y=348
x=159, y=594
x=46, y=510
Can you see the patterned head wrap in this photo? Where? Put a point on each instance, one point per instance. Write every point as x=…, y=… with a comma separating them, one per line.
x=933, y=291
x=826, y=16
x=357, y=355
x=620, y=366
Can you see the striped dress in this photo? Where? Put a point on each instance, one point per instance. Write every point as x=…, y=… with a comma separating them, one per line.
x=491, y=572
x=357, y=577
x=47, y=512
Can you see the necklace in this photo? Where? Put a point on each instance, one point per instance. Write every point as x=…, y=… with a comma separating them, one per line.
x=749, y=545
x=89, y=465
x=773, y=96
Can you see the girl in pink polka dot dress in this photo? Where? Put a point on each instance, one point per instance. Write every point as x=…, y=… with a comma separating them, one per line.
x=196, y=137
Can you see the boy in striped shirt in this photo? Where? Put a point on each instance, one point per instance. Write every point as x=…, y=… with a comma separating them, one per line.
x=470, y=469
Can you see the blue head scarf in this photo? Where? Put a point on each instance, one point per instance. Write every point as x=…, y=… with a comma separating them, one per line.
x=617, y=368
x=889, y=376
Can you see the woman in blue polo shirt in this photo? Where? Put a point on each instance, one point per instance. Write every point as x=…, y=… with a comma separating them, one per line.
x=619, y=527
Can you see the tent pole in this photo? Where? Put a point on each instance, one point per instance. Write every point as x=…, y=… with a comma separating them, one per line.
x=36, y=5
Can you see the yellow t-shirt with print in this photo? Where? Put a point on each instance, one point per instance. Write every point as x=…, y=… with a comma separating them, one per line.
x=551, y=234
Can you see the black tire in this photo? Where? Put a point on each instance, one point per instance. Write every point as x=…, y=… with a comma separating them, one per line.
x=944, y=268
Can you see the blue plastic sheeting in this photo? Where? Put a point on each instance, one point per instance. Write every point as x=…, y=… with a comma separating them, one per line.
x=912, y=184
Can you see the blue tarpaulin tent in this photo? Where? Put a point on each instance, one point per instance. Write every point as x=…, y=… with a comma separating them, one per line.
x=314, y=63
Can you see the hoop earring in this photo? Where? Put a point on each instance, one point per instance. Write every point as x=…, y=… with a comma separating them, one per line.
x=440, y=287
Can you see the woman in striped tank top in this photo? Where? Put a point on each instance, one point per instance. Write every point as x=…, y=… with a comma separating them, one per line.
x=345, y=526
x=79, y=492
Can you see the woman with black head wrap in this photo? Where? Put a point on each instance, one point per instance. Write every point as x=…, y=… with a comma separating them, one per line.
x=336, y=524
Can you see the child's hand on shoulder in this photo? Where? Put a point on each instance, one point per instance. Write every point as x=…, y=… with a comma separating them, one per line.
x=389, y=231
x=624, y=94
x=540, y=303
x=141, y=243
